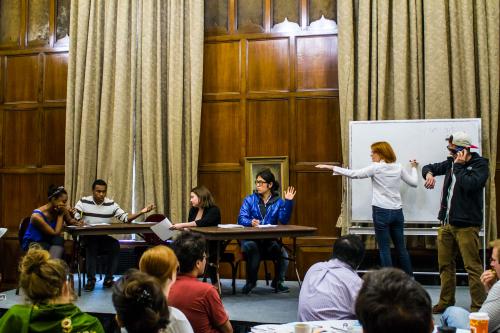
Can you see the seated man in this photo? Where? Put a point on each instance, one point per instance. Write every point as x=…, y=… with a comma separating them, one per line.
x=330, y=288
x=199, y=301
x=260, y=208
x=390, y=301
x=459, y=317
x=97, y=209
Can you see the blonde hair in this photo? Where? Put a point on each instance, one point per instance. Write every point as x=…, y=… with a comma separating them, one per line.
x=385, y=151
x=160, y=262
x=42, y=278
x=495, y=244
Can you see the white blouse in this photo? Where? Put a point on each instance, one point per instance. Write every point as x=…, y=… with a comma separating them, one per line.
x=386, y=181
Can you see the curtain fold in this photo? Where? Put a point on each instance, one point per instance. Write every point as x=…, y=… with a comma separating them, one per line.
x=133, y=112
x=421, y=59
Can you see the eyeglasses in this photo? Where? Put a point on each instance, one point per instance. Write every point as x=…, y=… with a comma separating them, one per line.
x=260, y=182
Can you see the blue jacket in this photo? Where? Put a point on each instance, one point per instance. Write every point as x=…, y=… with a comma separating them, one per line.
x=278, y=210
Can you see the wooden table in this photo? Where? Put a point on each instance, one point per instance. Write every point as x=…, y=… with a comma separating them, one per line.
x=226, y=234
x=101, y=230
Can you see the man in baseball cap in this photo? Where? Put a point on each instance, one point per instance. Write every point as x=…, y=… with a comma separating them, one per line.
x=461, y=216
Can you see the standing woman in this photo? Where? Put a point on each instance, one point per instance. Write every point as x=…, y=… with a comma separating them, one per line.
x=262, y=207
x=46, y=223
x=204, y=213
x=388, y=218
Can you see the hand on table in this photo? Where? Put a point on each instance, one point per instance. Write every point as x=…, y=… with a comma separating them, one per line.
x=255, y=222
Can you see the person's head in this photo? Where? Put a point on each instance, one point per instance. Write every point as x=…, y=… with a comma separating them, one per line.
x=391, y=301
x=160, y=262
x=99, y=189
x=190, y=249
x=382, y=151
x=459, y=141
x=349, y=249
x=201, y=197
x=44, y=280
x=57, y=197
x=139, y=303
x=266, y=182
x=495, y=256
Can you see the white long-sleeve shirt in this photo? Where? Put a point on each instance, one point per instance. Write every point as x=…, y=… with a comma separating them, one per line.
x=386, y=181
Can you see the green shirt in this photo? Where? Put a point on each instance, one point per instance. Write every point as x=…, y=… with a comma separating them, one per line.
x=43, y=318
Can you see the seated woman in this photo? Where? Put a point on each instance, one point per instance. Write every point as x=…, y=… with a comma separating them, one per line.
x=44, y=281
x=161, y=263
x=46, y=223
x=140, y=304
x=265, y=206
x=204, y=213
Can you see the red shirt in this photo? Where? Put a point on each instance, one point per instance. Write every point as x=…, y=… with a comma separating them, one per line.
x=200, y=302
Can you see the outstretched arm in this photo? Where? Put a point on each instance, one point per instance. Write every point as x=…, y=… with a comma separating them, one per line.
x=145, y=210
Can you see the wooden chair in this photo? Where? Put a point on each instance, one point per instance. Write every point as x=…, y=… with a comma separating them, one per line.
x=23, y=227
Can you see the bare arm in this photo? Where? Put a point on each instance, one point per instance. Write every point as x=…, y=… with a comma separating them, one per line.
x=226, y=327
x=145, y=210
x=180, y=226
x=38, y=222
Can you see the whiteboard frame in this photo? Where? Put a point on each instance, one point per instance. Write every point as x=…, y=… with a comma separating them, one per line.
x=349, y=186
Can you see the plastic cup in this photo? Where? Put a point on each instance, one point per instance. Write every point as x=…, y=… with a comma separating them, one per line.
x=479, y=322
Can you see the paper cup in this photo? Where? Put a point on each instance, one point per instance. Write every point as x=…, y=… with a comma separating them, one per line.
x=302, y=328
x=479, y=322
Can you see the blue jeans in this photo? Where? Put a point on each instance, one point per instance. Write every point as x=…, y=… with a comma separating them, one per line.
x=457, y=317
x=254, y=250
x=389, y=224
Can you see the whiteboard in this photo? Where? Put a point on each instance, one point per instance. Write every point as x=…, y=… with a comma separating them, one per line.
x=424, y=140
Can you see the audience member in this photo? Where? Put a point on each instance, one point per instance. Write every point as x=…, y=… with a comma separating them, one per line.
x=330, y=288
x=263, y=207
x=140, y=303
x=44, y=281
x=161, y=263
x=459, y=317
x=46, y=223
x=97, y=209
x=204, y=213
x=390, y=301
x=199, y=301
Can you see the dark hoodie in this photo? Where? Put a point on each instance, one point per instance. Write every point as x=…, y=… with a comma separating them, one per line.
x=467, y=201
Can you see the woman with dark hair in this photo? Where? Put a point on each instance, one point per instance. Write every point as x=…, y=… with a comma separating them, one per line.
x=140, y=303
x=388, y=218
x=204, y=213
x=265, y=207
x=46, y=223
x=45, y=283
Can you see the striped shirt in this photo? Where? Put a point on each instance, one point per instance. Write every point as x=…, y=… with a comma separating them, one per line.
x=93, y=213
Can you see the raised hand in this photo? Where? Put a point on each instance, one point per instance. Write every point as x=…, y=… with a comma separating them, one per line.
x=324, y=166
x=289, y=193
x=488, y=279
x=414, y=163
x=461, y=157
x=148, y=208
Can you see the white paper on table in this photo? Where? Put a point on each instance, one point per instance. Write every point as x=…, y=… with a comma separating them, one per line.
x=162, y=229
x=96, y=224
x=143, y=222
x=229, y=226
x=267, y=226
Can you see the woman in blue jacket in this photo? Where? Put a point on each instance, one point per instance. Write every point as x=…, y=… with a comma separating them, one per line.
x=262, y=207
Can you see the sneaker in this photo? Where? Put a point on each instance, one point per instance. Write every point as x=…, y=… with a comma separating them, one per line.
x=89, y=286
x=438, y=308
x=281, y=288
x=108, y=283
x=247, y=288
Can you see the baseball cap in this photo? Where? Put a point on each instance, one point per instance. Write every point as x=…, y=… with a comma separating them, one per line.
x=461, y=139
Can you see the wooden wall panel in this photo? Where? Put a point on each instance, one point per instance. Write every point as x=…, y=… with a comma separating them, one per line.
x=318, y=119
x=20, y=195
x=268, y=66
x=21, y=138
x=268, y=128
x=53, y=134
x=21, y=78
x=317, y=63
x=221, y=67
x=46, y=181
x=220, y=129
x=226, y=189
x=56, y=72
x=318, y=201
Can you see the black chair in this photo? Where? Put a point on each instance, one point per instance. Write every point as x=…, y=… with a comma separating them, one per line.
x=23, y=227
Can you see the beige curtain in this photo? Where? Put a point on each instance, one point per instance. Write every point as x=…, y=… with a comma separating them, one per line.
x=134, y=101
x=421, y=59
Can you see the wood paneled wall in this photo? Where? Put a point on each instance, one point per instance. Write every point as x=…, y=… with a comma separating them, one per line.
x=271, y=89
x=33, y=72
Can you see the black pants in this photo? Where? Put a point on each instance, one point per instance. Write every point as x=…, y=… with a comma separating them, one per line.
x=101, y=245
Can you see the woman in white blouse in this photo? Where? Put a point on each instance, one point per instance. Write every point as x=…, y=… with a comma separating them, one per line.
x=387, y=212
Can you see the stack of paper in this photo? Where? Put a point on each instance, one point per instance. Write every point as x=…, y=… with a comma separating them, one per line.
x=229, y=226
x=267, y=226
x=162, y=229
